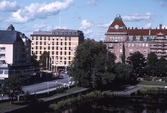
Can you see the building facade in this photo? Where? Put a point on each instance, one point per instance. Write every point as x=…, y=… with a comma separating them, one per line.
x=15, y=54
x=60, y=43
x=134, y=39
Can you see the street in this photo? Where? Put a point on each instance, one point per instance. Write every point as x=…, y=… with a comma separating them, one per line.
x=44, y=86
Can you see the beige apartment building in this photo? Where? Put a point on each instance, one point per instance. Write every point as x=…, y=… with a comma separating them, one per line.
x=15, y=54
x=134, y=39
x=60, y=43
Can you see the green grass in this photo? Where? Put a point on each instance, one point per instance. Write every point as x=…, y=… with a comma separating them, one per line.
x=153, y=83
x=5, y=106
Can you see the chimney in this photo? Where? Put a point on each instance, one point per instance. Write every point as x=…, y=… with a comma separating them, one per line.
x=160, y=26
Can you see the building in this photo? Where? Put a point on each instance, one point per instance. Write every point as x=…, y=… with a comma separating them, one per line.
x=15, y=54
x=134, y=39
x=60, y=43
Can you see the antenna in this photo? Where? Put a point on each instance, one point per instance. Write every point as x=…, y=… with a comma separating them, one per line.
x=60, y=20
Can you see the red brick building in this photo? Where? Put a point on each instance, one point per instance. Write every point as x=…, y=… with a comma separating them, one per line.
x=134, y=39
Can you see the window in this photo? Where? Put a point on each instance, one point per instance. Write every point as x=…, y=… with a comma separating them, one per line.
x=48, y=38
x=44, y=38
x=138, y=38
x=2, y=49
x=120, y=50
x=65, y=43
x=60, y=53
x=64, y=53
x=36, y=38
x=44, y=43
x=1, y=71
x=52, y=52
x=65, y=62
x=52, y=43
x=40, y=47
x=40, y=43
x=40, y=38
x=56, y=52
x=61, y=43
x=48, y=48
x=57, y=43
x=57, y=48
x=65, y=48
x=40, y=52
x=69, y=43
x=32, y=38
x=36, y=43
x=146, y=44
x=5, y=71
x=130, y=38
x=52, y=48
x=69, y=38
x=69, y=48
x=69, y=53
x=36, y=47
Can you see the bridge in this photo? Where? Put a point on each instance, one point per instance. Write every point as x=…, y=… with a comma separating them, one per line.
x=127, y=91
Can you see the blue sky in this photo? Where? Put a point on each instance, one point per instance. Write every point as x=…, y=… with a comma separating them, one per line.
x=91, y=16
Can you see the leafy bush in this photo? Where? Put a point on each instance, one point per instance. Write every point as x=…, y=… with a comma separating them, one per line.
x=80, y=99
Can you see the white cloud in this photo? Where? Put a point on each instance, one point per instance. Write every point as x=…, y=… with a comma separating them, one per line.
x=85, y=24
x=36, y=10
x=92, y=2
x=87, y=32
x=147, y=26
x=60, y=27
x=41, y=26
x=7, y=6
x=103, y=25
x=164, y=27
x=137, y=17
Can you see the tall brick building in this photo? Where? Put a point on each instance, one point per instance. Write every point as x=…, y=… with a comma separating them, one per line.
x=134, y=39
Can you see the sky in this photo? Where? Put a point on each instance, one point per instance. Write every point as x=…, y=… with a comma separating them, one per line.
x=93, y=17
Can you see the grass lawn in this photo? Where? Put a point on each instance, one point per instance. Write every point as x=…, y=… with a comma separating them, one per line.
x=153, y=83
x=5, y=106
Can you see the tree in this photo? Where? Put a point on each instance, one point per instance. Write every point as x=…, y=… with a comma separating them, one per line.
x=162, y=67
x=152, y=64
x=90, y=63
x=45, y=60
x=11, y=87
x=122, y=72
x=34, y=60
x=138, y=62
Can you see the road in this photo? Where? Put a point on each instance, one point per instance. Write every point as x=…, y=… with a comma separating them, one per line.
x=35, y=88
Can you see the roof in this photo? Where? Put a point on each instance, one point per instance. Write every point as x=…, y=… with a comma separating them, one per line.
x=134, y=31
x=9, y=36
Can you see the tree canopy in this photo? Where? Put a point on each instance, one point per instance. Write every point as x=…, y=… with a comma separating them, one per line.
x=45, y=60
x=12, y=87
x=92, y=64
x=138, y=62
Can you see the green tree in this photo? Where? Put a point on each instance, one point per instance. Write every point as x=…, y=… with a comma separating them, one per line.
x=122, y=72
x=34, y=60
x=11, y=87
x=45, y=60
x=90, y=63
x=162, y=67
x=152, y=64
x=138, y=62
